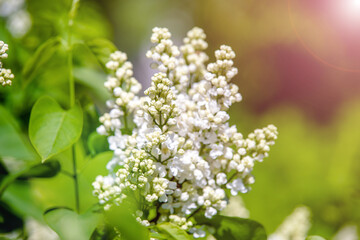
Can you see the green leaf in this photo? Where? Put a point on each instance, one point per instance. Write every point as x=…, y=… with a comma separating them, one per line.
x=101, y=48
x=97, y=143
x=97, y=165
x=53, y=129
x=228, y=228
x=44, y=170
x=172, y=231
x=314, y=238
x=13, y=145
x=42, y=55
x=94, y=80
x=20, y=198
x=70, y=225
x=159, y=236
x=121, y=218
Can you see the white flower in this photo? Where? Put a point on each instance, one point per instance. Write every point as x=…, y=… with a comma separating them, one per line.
x=236, y=186
x=294, y=226
x=210, y=211
x=182, y=153
x=221, y=179
x=6, y=75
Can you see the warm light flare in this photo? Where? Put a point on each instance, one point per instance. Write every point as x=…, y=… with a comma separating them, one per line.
x=356, y=4
x=351, y=9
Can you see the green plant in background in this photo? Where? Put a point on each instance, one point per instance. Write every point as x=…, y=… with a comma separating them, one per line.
x=52, y=154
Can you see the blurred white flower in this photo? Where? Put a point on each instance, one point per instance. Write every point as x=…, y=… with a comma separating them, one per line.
x=295, y=226
x=18, y=20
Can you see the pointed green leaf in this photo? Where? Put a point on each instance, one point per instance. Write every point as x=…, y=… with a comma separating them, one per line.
x=42, y=55
x=233, y=228
x=101, y=48
x=44, y=170
x=70, y=225
x=53, y=129
x=173, y=231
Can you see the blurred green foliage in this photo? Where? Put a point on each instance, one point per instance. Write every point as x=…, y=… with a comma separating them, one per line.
x=312, y=164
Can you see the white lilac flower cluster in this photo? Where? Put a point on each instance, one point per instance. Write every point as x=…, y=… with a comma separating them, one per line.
x=295, y=226
x=179, y=155
x=6, y=75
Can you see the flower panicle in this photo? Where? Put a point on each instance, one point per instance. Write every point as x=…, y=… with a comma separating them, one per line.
x=6, y=76
x=182, y=156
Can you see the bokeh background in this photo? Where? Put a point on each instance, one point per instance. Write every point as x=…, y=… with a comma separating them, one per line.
x=299, y=69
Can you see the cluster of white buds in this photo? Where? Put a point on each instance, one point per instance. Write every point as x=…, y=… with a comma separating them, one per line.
x=6, y=75
x=123, y=87
x=182, y=156
x=193, y=52
x=165, y=51
x=295, y=226
x=182, y=222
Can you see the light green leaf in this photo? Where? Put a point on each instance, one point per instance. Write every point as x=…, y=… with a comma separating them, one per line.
x=121, y=218
x=159, y=236
x=101, y=48
x=13, y=145
x=53, y=129
x=233, y=228
x=94, y=80
x=314, y=238
x=70, y=225
x=87, y=175
x=172, y=231
x=97, y=143
x=42, y=55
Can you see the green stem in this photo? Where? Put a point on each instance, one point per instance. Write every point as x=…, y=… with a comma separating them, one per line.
x=232, y=177
x=71, y=77
x=76, y=182
x=72, y=13
x=194, y=212
x=9, y=179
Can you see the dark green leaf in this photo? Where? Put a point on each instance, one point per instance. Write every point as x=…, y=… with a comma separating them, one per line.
x=70, y=225
x=173, y=231
x=42, y=55
x=101, y=48
x=8, y=220
x=52, y=129
x=20, y=197
x=45, y=170
x=233, y=228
